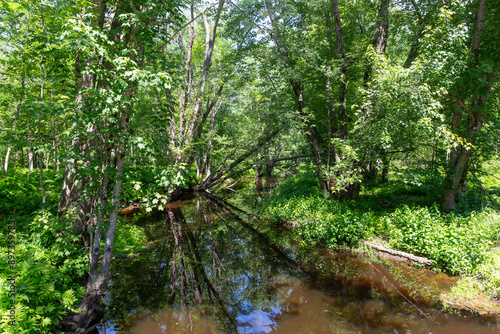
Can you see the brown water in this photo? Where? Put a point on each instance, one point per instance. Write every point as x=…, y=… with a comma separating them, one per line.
x=212, y=272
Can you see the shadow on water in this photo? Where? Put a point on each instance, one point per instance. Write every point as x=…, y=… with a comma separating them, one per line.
x=210, y=271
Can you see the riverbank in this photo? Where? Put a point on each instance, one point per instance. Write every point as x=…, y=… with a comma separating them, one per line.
x=235, y=273
x=50, y=263
x=461, y=243
x=453, y=292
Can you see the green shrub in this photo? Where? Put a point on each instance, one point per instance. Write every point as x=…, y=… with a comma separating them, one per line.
x=43, y=294
x=57, y=238
x=321, y=221
x=457, y=246
x=150, y=186
x=20, y=196
x=467, y=288
x=457, y=243
x=129, y=238
x=48, y=266
x=489, y=272
x=332, y=230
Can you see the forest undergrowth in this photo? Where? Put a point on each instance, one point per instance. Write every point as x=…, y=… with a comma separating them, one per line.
x=402, y=214
x=39, y=255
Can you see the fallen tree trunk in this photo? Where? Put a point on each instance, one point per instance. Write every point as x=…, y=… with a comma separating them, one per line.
x=213, y=180
x=411, y=257
x=219, y=181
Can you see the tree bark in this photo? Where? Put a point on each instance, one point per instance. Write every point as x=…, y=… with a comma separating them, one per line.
x=342, y=71
x=411, y=257
x=460, y=155
x=382, y=33
x=310, y=132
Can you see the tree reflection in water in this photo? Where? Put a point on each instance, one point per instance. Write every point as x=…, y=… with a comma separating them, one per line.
x=208, y=258
x=209, y=271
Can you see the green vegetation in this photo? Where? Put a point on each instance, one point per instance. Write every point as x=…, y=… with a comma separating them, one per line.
x=322, y=221
x=455, y=244
x=20, y=190
x=109, y=102
x=49, y=262
x=489, y=274
x=130, y=238
x=44, y=291
x=152, y=187
x=467, y=288
x=405, y=218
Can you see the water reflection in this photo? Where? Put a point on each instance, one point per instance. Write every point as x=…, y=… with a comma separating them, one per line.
x=212, y=272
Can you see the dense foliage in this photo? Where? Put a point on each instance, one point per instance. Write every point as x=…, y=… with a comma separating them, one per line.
x=457, y=243
x=48, y=268
x=111, y=102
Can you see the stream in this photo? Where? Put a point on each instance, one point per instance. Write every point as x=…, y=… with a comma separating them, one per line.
x=211, y=268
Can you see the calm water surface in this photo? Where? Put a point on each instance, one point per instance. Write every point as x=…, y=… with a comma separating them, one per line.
x=213, y=269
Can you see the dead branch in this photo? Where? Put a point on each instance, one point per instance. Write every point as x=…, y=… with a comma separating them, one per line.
x=408, y=256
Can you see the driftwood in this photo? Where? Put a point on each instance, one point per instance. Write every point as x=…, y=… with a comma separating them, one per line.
x=408, y=256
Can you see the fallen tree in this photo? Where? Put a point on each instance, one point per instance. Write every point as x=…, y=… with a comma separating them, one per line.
x=408, y=256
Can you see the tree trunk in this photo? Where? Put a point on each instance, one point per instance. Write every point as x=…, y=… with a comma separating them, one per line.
x=269, y=168
x=98, y=279
x=42, y=86
x=54, y=155
x=424, y=21
x=310, y=132
x=342, y=72
x=370, y=172
x=259, y=173
x=350, y=191
x=385, y=168
x=206, y=166
x=30, y=159
x=7, y=157
x=73, y=182
x=460, y=155
x=382, y=33
x=42, y=187
x=18, y=110
x=379, y=45
x=187, y=132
